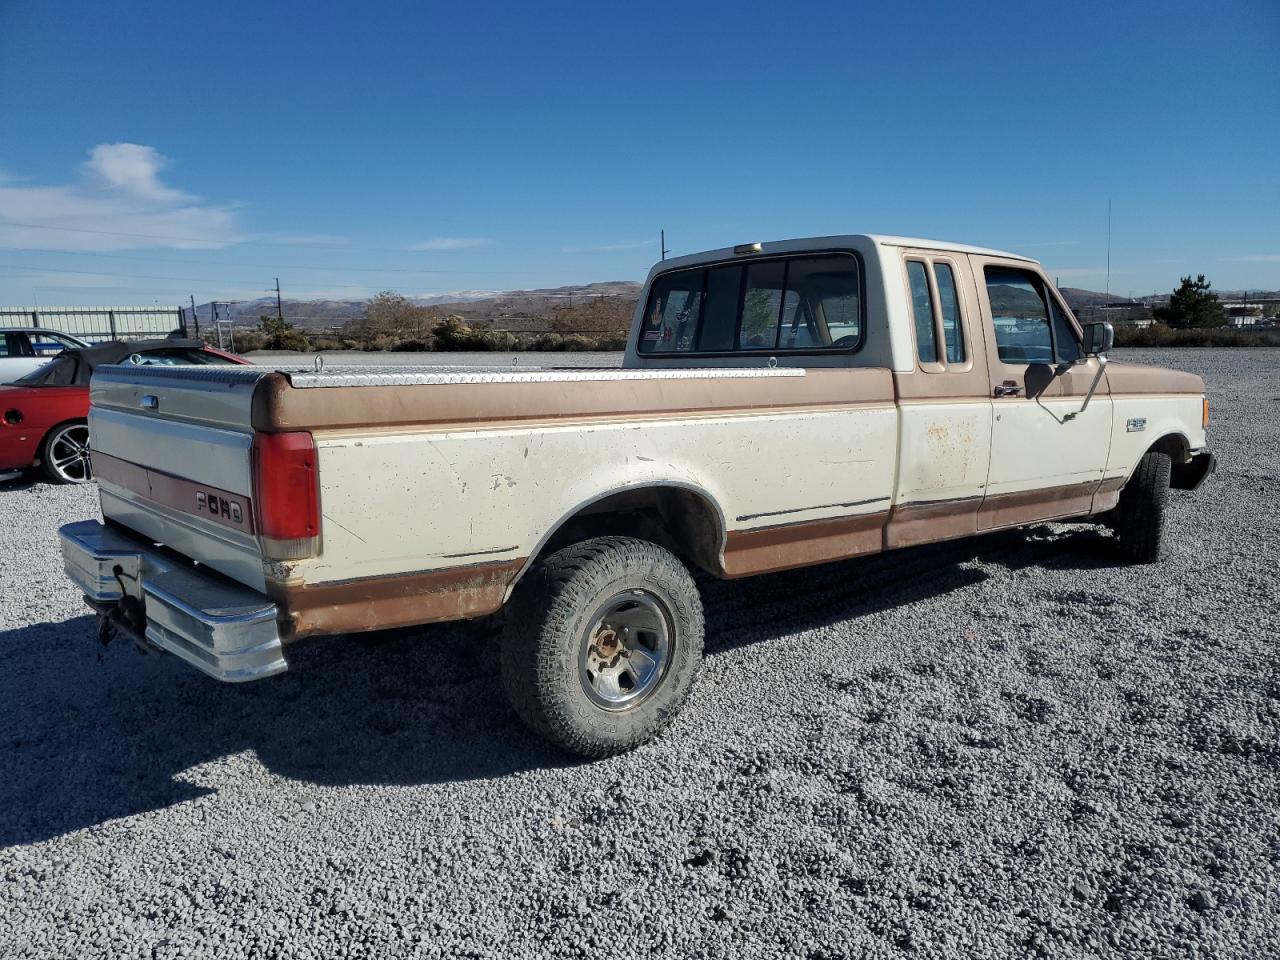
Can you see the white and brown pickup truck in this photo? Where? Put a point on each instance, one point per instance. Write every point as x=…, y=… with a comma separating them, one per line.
x=779, y=405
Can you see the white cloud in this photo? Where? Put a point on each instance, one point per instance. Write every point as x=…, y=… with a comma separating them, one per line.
x=610, y=247
x=1256, y=258
x=451, y=243
x=133, y=169
x=120, y=203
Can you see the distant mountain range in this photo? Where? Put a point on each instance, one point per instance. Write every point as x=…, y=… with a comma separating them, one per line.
x=487, y=305
x=492, y=306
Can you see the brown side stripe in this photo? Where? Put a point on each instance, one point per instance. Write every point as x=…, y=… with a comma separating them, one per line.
x=376, y=603
x=790, y=545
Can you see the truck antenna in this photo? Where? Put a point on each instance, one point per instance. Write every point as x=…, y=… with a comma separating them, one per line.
x=1108, y=246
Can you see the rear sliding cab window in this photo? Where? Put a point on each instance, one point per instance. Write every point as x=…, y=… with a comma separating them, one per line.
x=671, y=319
x=1029, y=325
x=802, y=304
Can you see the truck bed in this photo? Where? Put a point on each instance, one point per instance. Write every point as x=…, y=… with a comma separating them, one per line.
x=442, y=482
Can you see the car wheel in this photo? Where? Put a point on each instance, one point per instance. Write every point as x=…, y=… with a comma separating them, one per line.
x=601, y=644
x=65, y=454
x=1139, y=516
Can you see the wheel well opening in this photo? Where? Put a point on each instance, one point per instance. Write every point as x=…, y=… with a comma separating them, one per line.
x=1175, y=445
x=677, y=519
x=70, y=422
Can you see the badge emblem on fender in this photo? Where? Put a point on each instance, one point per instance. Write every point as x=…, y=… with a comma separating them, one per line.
x=1136, y=424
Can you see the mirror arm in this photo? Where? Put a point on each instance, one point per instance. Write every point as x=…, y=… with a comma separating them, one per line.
x=1097, y=378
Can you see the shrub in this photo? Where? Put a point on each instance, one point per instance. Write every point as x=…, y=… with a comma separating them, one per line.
x=1160, y=335
x=577, y=343
x=246, y=341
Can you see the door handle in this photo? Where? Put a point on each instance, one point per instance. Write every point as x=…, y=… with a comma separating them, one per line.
x=1008, y=389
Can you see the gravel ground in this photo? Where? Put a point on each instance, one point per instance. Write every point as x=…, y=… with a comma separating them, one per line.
x=1012, y=746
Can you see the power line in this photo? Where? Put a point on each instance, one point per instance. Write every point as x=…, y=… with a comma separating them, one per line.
x=106, y=233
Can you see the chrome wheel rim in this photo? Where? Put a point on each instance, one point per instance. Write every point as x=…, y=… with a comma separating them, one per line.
x=69, y=454
x=626, y=650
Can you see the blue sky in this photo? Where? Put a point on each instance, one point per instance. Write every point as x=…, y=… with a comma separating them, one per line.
x=152, y=150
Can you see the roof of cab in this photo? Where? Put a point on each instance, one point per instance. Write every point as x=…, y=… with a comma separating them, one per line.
x=800, y=244
x=945, y=245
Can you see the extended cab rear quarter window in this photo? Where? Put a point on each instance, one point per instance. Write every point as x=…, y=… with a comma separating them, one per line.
x=804, y=303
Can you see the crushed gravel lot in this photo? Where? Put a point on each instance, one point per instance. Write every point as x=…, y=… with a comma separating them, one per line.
x=1010, y=746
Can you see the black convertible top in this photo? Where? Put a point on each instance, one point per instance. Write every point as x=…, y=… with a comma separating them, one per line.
x=75, y=366
x=116, y=350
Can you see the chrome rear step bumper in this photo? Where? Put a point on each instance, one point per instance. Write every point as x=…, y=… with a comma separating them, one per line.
x=220, y=627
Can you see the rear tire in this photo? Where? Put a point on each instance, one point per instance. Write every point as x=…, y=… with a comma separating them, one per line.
x=64, y=455
x=601, y=644
x=1139, y=516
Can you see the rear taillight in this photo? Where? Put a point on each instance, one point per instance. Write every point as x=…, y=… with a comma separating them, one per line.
x=1204, y=416
x=286, y=495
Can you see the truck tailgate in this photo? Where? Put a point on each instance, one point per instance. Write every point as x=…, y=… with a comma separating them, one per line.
x=171, y=452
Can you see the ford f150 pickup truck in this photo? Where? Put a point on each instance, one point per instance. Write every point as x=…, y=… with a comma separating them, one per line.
x=779, y=405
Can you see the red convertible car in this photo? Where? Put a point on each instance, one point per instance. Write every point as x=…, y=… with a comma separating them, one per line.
x=43, y=416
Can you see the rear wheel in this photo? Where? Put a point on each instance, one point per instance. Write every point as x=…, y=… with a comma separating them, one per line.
x=602, y=643
x=1139, y=516
x=65, y=454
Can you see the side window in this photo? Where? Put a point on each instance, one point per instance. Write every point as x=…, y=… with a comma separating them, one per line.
x=762, y=305
x=17, y=345
x=47, y=344
x=1020, y=315
x=922, y=312
x=5, y=349
x=672, y=317
x=949, y=301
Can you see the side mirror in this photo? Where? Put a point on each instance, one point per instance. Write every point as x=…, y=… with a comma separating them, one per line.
x=1099, y=338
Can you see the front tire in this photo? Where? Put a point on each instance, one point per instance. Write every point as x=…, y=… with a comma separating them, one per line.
x=601, y=644
x=64, y=455
x=1139, y=516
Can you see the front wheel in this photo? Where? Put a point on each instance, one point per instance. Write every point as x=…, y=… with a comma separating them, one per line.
x=601, y=644
x=65, y=454
x=1139, y=516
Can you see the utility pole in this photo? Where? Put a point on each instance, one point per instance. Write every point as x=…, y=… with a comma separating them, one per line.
x=279, y=308
x=662, y=244
x=195, y=317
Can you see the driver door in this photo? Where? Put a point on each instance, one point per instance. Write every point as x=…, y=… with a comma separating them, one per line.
x=1047, y=457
